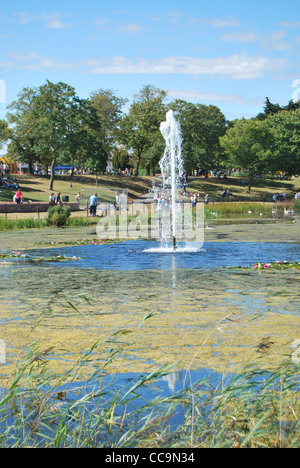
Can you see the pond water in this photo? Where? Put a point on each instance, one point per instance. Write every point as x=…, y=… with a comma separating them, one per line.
x=204, y=317
x=149, y=255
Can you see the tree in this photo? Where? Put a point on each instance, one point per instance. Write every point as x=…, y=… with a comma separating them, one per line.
x=271, y=108
x=140, y=128
x=109, y=112
x=56, y=105
x=4, y=132
x=48, y=125
x=85, y=145
x=93, y=148
x=249, y=145
x=286, y=129
x=23, y=117
x=201, y=128
x=121, y=158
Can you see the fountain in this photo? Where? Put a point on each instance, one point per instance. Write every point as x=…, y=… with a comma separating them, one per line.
x=171, y=166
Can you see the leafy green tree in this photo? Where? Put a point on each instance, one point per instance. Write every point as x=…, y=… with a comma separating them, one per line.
x=22, y=117
x=56, y=105
x=249, y=145
x=140, y=128
x=51, y=125
x=85, y=145
x=4, y=132
x=109, y=110
x=271, y=108
x=201, y=128
x=121, y=158
x=286, y=129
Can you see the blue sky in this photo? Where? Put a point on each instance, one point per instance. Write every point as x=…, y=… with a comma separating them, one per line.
x=228, y=53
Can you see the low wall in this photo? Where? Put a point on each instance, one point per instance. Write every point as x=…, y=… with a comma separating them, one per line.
x=32, y=207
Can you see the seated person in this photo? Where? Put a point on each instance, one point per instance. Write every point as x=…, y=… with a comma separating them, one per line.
x=19, y=197
x=52, y=200
x=58, y=199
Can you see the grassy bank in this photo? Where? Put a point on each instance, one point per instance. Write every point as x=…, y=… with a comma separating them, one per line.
x=36, y=188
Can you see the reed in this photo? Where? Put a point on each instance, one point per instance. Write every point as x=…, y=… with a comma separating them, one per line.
x=31, y=223
x=15, y=224
x=253, y=408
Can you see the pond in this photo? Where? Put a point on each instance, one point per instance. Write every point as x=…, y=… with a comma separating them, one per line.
x=150, y=255
x=205, y=310
x=196, y=296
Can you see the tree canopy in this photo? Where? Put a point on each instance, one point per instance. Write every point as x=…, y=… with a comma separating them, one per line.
x=140, y=128
x=286, y=130
x=249, y=145
x=201, y=127
x=51, y=125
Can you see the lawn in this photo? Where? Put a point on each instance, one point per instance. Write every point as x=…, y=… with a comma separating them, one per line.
x=263, y=190
x=36, y=188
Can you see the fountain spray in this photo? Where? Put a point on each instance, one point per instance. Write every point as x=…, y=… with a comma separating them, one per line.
x=171, y=164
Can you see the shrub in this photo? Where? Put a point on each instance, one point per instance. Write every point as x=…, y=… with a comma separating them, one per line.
x=58, y=215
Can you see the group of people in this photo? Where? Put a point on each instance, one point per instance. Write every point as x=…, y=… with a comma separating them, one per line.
x=196, y=197
x=279, y=197
x=8, y=183
x=55, y=200
x=226, y=193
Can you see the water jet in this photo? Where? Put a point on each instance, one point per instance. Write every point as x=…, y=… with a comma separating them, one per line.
x=171, y=166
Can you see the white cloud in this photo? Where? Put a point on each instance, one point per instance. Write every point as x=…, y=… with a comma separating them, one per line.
x=277, y=35
x=220, y=23
x=241, y=37
x=272, y=41
x=34, y=61
x=52, y=20
x=198, y=96
x=129, y=29
x=25, y=18
x=238, y=67
x=101, y=23
x=295, y=24
x=235, y=66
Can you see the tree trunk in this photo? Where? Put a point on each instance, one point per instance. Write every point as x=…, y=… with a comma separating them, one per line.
x=137, y=166
x=30, y=164
x=52, y=173
x=250, y=184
